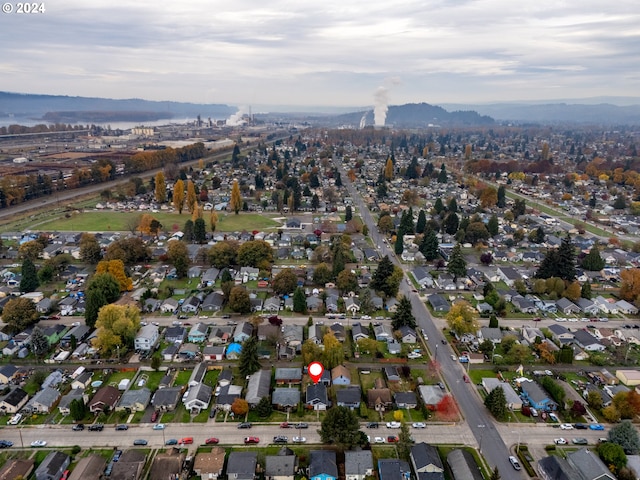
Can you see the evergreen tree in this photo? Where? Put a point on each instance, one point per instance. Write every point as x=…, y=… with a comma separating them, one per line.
x=339, y=262
x=502, y=197
x=593, y=261
x=452, y=206
x=422, y=222
x=537, y=236
x=403, y=315
x=404, y=442
x=567, y=259
x=299, y=301
x=496, y=403
x=384, y=270
x=493, y=321
x=549, y=266
x=585, y=290
x=188, y=231
x=341, y=427
x=451, y=223
x=39, y=343
x=77, y=409
x=199, y=230
x=438, y=206
x=398, y=247
x=348, y=214
x=249, y=362
x=406, y=222
x=442, y=176
x=29, y=281
x=495, y=475
x=429, y=245
x=493, y=225
x=457, y=265
x=264, y=408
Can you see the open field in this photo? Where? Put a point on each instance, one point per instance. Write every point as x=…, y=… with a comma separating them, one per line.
x=98, y=221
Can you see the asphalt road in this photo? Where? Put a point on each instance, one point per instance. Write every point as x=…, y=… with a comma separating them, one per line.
x=479, y=421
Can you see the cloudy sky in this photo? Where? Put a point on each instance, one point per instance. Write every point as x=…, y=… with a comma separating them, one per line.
x=324, y=53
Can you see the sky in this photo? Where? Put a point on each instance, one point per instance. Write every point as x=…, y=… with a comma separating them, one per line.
x=324, y=53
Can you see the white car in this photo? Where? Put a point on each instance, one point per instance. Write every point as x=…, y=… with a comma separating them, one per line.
x=394, y=425
x=419, y=425
x=414, y=355
x=159, y=426
x=560, y=441
x=379, y=440
x=38, y=443
x=566, y=426
x=299, y=439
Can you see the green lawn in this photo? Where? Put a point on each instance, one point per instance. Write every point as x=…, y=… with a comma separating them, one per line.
x=115, y=378
x=153, y=379
x=182, y=378
x=93, y=221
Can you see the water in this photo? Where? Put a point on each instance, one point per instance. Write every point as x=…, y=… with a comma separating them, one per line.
x=30, y=122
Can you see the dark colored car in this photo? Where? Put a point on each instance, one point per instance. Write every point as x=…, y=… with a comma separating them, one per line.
x=116, y=456
x=212, y=413
x=171, y=441
x=78, y=428
x=211, y=441
x=581, y=426
x=372, y=425
x=140, y=441
x=5, y=444
x=302, y=425
x=244, y=425
x=280, y=439
x=122, y=426
x=96, y=427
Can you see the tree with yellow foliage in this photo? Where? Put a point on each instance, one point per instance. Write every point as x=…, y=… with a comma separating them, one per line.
x=144, y=226
x=488, y=197
x=178, y=195
x=630, y=287
x=236, y=198
x=462, y=318
x=161, y=188
x=388, y=170
x=213, y=220
x=352, y=175
x=116, y=327
x=192, y=198
x=116, y=268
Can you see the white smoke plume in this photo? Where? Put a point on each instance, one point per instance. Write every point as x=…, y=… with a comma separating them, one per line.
x=236, y=119
x=381, y=101
x=363, y=121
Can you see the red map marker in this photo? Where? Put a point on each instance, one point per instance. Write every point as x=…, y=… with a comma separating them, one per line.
x=315, y=369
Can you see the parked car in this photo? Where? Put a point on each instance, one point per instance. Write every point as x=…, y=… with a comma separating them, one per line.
x=78, y=427
x=579, y=441
x=212, y=413
x=171, y=441
x=560, y=441
x=154, y=416
x=280, y=439
x=566, y=426
x=211, y=441
x=122, y=426
x=244, y=425
x=392, y=439
x=159, y=426
x=299, y=439
x=379, y=440
x=581, y=426
x=140, y=441
x=441, y=385
x=596, y=426
x=116, y=456
x=186, y=441
x=394, y=424
x=96, y=427
x=38, y=443
x=419, y=425
x=302, y=425
x=514, y=463
x=249, y=440
x=285, y=425
x=5, y=444
x=372, y=425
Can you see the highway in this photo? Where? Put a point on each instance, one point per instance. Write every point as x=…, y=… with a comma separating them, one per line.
x=478, y=419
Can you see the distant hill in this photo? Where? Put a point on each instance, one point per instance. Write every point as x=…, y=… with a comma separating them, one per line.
x=52, y=108
x=552, y=113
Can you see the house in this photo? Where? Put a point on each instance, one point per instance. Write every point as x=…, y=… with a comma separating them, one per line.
x=213, y=353
x=340, y=375
x=630, y=378
x=408, y=335
x=191, y=304
x=170, y=352
x=509, y=275
x=293, y=335
x=242, y=465
x=463, y=465
x=488, y=333
x=198, y=333
x=560, y=333
x=339, y=331
x=589, y=465
x=220, y=335
x=89, y=468
x=130, y=465
x=53, y=466
x=43, y=401
x=170, y=305
x=288, y=376
x=282, y=466
x=626, y=308
x=134, y=400
x=16, y=468
x=587, y=306
x=531, y=333
x=514, y=402
x=285, y=398
x=258, y=387
x=13, y=401
x=175, y=334
x=243, y=331
x=537, y=397
x=359, y=332
x=426, y=462
x=358, y=464
x=566, y=306
x=166, y=399
x=209, y=465
x=554, y=467
x=7, y=373
x=438, y=303
x=379, y=399
x=431, y=395
x=383, y=333
x=587, y=341
x=105, y=398
x=82, y=381
x=323, y=465
x=392, y=374
x=349, y=397
x=392, y=469
x=147, y=338
x=315, y=334
x=212, y=302
x=197, y=397
x=226, y=395
x=406, y=400
x=316, y=397
x=423, y=277
x=64, y=407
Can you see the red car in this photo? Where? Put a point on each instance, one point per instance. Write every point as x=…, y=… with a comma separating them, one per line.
x=249, y=440
x=211, y=441
x=285, y=425
x=392, y=439
x=154, y=416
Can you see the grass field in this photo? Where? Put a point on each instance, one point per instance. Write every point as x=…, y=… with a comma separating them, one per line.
x=92, y=221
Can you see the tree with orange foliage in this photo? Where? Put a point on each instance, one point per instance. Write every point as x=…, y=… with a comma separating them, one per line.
x=116, y=268
x=630, y=287
x=178, y=196
x=488, y=197
x=388, y=170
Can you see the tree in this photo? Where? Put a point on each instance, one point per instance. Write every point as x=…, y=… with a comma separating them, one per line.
x=156, y=361
x=240, y=406
x=488, y=197
x=382, y=275
x=493, y=225
x=239, y=300
x=429, y=245
x=348, y=214
x=388, y=170
x=347, y=281
x=593, y=261
x=594, y=399
x=192, y=198
x=31, y=249
x=422, y=222
x=451, y=223
x=493, y=321
x=19, y=313
x=403, y=316
x=255, y=253
x=404, y=442
x=496, y=403
x=199, y=231
x=585, y=290
x=322, y=274
x=385, y=224
x=101, y=290
x=341, y=426
x=264, y=408
x=537, y=236
x=235, y=202
x=178, y=196
x=285, y=282
x=248, y=361
x=461, y=318
x=612, y=455
x=501, y=194
x=299, y=301
x=442, y=176
x=567, y=259
x=577, y=409
x=495, y=475
x=311, y=351
x=398, y=246
x=160, y=191
x=29, y=281
x=625, y=435
x=90, y=250
x=368, y=346
x=630, y=286
x=116, y=326
x=78, y=409
x=519, y=208
x=39, y=343
x=178, y=256
x=572, y=292
x=457, y=265
x=116, y=269
x=333, y=352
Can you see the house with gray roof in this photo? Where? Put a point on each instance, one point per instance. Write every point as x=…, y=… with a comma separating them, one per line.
x=393, y=469
x=242, y=465
x=53, y=466
x=514, y=402
x=554, y=467
x=175, y=334
x=426, y=462
x=285, y=398
x=358, y=464
x=463, y=465
x=293, y=335
x=43, y=401
x=213, y=302
x=288, y=376
x=431, y=395
x=13, y=401
x=349, y=397
x=198, y=333
x=560, y=333
x=406, y=400
x=258, y=387
x=197, y=398
x=166, y=399
x=589, y=465
x=438, y=303
x=147, y=338
x=134, y=400
x=282, y=466
x=359, y=331
x=323, y=465
x=488, y=333
x=587, y=341
x=243, y=331
x=65, y=402
x=566, y=306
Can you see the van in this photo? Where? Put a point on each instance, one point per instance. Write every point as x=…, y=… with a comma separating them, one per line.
x=186, y=441
x=15, y=419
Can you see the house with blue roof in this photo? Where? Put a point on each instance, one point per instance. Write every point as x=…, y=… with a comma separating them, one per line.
x=233, y=351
